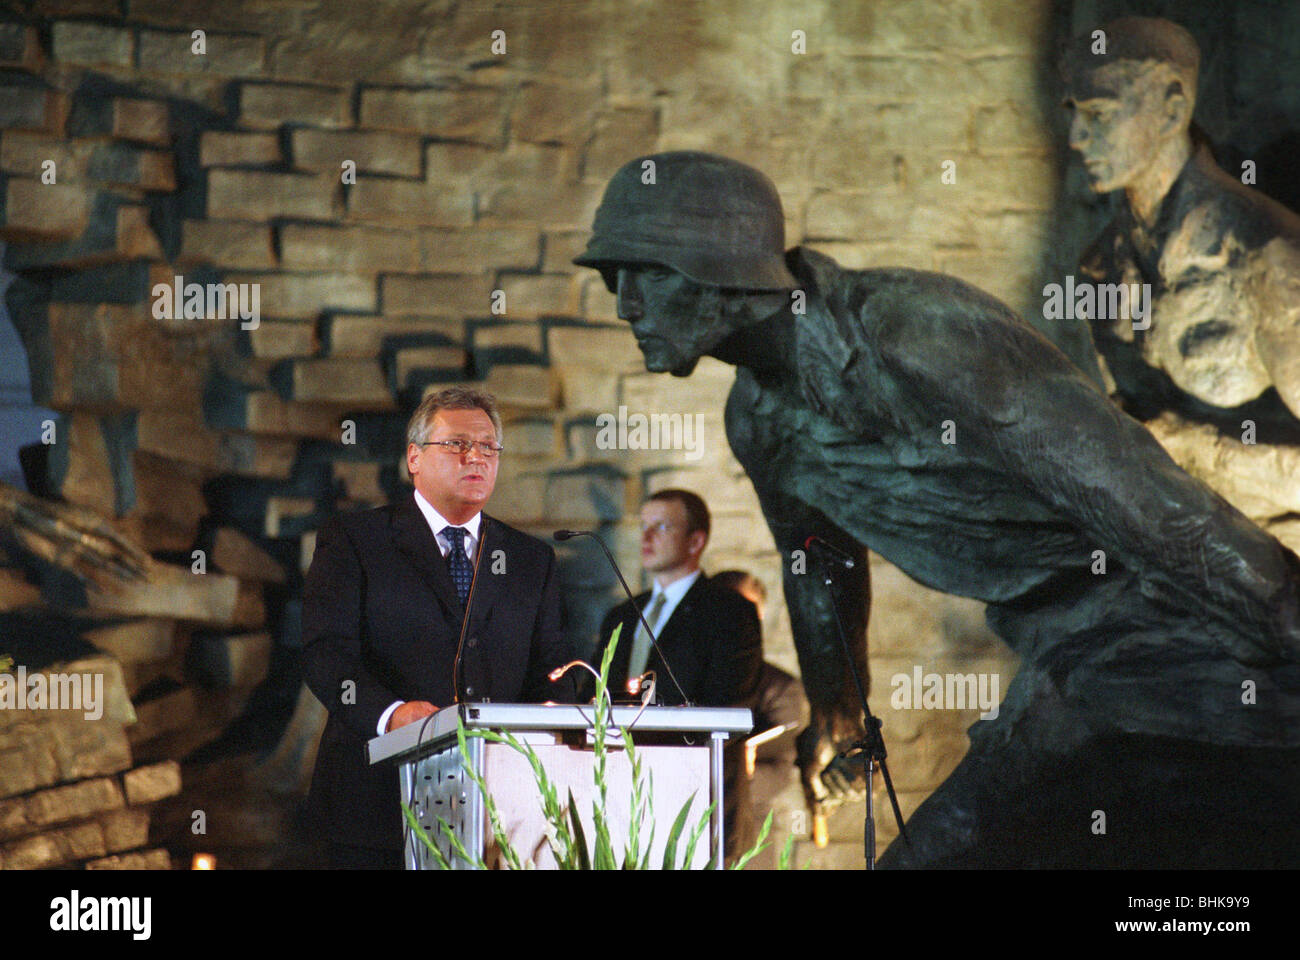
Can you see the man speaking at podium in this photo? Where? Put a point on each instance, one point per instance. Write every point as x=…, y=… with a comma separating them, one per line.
x=387, y=637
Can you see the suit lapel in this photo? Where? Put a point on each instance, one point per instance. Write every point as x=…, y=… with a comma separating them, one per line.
x=671, y=631
x=412, y=536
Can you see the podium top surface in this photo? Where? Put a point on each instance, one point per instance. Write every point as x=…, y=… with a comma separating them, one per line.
x=532, y=716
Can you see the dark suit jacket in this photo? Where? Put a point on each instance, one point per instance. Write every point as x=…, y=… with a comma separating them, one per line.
x=712, y=641
x=715, y=646
x=381, y=622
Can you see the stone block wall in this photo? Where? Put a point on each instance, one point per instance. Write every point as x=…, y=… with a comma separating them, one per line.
x=407, y=200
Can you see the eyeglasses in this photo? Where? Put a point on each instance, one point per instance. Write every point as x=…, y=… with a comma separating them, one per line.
x=663, y=526
x=461, y=447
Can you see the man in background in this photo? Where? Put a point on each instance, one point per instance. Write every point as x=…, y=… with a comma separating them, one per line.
x=708, y=634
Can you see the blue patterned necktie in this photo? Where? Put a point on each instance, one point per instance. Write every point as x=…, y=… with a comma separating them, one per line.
x=462, y=571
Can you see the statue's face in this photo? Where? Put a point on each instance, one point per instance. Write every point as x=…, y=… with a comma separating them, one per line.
x=1117, y=128
x=670, y=315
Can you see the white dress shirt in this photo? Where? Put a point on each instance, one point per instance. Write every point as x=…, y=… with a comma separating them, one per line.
x=438, y=523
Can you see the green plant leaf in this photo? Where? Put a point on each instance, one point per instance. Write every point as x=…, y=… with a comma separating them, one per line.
x=423, y=836
x=759, y=845
x=787, y=854
x=580, y=846
x=670, y=848
x=695, y=837
x=508, y=852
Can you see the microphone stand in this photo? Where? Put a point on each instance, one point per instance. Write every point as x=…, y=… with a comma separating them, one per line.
x=872, y=746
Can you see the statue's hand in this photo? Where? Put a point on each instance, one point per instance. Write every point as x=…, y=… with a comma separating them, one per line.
x=828, y=777
x=844, y=777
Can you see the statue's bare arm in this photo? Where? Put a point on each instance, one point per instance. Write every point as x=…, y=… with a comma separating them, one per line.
x=835, y=711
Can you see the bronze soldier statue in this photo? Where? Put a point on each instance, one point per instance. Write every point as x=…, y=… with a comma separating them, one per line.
x=912, y=414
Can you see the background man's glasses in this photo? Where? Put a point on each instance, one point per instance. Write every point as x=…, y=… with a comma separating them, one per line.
x=661, y=527
x=462, y=447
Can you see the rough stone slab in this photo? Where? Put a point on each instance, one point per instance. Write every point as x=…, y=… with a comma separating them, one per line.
x=179, y=436
x=618, y=136
x=350, y=335
x=604, y=348
x=467, y=114
x=268, y=105
x=348, y=249
x=449, y=295
x=303, y=295
x=147, y=784
x=19, y=47
x=135, y=641
x=279, y=340
x=31, y=106
x=556, y=113
x=92, y=44
x=59, y=804
x=561, y=246
x=263, y=412
x=176, y=593
x=169, y=505
x=372, y=151
x=395, y=202
x=522, y=336
x=260, y=195
x=88, y=748
x=161, y=715
x=16, y=592
x=115, y=704
x=116, y=232
x=123, y=118
x=235, y=661
x=24, y=153
x=125, y=829
x=226, y=54
x=480, y=250
x=120, y=164
x=360, y=480
x=536, y=296
x=44, y=211
x=521, y=386
x=344, y=381
x=236, y=244
x=54, y=848
x=238, y=555
x=223, y=148
x=585, y=498
x=147, y=860
x=283, y=512
x=411, y=360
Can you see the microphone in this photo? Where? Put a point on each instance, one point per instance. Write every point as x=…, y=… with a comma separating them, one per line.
x=562, y=535
x=816, y=544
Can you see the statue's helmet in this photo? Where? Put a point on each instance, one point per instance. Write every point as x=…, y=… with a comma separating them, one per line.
x=710, y=218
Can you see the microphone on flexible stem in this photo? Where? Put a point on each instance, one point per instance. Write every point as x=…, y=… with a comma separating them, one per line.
x=816, y=544
x=562, y=535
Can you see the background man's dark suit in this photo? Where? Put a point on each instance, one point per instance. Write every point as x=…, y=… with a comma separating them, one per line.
x=715, y=646
x=712, y=640
x=380, y=610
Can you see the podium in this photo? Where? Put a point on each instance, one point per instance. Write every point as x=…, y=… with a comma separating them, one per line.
x=679, y=748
